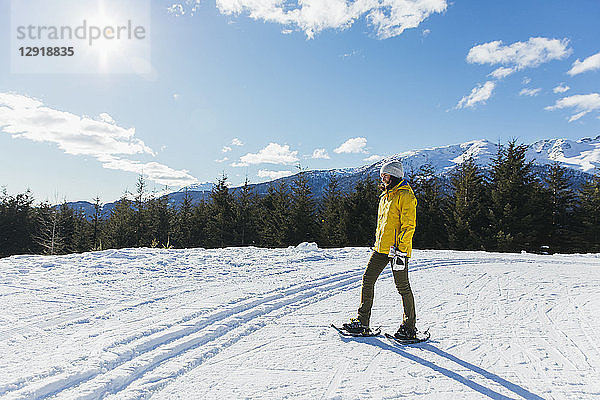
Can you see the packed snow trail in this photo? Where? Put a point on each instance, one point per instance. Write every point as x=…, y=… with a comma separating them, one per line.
x=254, y=323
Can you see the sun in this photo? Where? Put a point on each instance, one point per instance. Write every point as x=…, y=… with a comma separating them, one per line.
x=112, y=36
x=106, y=42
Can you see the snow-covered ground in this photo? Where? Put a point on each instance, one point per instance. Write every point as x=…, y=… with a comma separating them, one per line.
x=254, y=323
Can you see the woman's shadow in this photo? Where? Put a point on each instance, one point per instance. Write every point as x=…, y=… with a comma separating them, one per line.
x=399, y=349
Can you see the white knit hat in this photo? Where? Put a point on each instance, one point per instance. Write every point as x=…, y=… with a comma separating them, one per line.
x=393, y=168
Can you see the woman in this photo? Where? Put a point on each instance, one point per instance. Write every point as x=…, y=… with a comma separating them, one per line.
x=396, y=222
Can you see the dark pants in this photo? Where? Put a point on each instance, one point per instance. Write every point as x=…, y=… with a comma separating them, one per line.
x=376, y=264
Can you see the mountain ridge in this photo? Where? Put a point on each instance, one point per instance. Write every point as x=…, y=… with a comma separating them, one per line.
x=581, y=156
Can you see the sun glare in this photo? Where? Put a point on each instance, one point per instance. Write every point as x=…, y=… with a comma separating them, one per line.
x=110, y=36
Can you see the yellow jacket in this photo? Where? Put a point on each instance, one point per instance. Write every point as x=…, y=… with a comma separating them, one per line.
x=396, y=219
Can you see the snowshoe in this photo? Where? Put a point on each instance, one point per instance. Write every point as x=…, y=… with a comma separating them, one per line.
x=355, y=326
x=403, y=339
x=356, y=329
x=406, y=333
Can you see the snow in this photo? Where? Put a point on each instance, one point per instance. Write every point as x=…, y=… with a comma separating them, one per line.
x=201, y=186
x=583, y=154
x=254, y=323
x=307, y=246
x=446, y=158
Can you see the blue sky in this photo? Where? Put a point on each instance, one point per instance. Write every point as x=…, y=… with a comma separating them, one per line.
x=258, y=90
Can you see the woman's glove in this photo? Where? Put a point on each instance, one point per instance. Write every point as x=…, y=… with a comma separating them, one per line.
x=397, y=259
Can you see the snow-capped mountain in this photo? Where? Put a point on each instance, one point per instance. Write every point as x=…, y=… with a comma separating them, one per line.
x=581, y=156
x=445, y=158
x=198, y=187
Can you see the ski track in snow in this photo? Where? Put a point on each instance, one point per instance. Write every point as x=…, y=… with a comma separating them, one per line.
x=254, y=323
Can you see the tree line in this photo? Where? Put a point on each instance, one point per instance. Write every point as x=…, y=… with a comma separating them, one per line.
x=506, y=208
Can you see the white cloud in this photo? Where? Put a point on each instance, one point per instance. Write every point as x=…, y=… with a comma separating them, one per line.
x=226, y=149
x=577, y=116
x=536, y=51
x=350, y=54
x=176, y=96
x=154, y=171
x=320, y=153
x=530, y=92
x=222, y=159
x=25, y=117
x=373, y=158
x=581, y=103
x=513, y=57
x=101, y=138
x=263, y=173
x=589, y=64
x=502, y=72
x=104, y=117
x=426, y=32
x=479, y=94
x=272, y=154
x=388, y=17
x=352, y=145
x=176, y=10
x=179, y=9
x=236, y=142
x=561, y=88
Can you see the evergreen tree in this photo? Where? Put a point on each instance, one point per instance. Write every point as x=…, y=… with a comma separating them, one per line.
x=158, y=220
x=120, y=227
x=333, y=216
x=516, y=212
x=199, y=223
x=17, y=224
x=140, y=216
x=303, y=211
x=66, y=227
x=432, y=208
x=275, y=216
x=589, y=205
x=82, y=232
x=560, y=201
x=468, y=208
x=361, y=206
x=221, y=221
x=245, y=218
x=182, y=230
